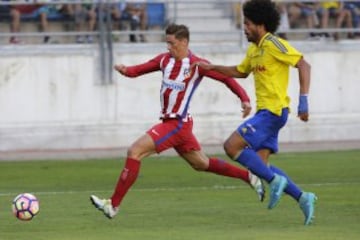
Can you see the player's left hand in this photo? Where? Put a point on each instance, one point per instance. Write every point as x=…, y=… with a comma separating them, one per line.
x=246, y=109
x=303, y=108
x=201, y=64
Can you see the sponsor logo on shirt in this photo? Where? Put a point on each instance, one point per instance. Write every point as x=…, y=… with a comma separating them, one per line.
x=179, y=86
x=259, y=68
x=187, y=73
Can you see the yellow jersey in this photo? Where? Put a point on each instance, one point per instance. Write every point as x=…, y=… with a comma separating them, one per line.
x=330, y=4
x=269, y=62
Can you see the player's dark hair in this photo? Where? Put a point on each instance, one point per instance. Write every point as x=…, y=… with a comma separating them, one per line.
x=262, y=12
x=180, y=31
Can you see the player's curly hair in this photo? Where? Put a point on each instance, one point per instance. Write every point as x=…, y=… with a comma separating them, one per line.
x=262, y=12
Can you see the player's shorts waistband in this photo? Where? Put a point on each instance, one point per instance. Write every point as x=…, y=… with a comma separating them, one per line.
x=172, y=116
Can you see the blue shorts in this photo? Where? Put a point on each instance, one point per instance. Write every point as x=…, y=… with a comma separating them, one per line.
x=307, y=11
x=262, y=130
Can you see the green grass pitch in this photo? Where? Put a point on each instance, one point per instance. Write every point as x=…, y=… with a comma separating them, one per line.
x=170, y=201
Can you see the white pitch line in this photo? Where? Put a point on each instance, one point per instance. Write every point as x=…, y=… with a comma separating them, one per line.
x=216, y=187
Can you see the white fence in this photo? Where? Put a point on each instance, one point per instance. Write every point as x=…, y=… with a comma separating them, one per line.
x=51, y=98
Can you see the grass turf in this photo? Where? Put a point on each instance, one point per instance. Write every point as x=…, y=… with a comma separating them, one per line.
x=171, y=201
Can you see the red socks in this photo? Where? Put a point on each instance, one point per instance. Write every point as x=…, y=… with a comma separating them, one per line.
x=126, y=180
x=132, y=166
x=224, y=168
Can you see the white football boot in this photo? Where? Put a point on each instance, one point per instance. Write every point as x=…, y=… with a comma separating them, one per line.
x=257, y=184
x=105, y=206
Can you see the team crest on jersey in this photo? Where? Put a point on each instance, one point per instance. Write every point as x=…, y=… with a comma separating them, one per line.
x=187, y=73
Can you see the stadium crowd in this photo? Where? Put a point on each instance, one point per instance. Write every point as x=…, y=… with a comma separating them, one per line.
x=319, y=16
x=320, y=19
x=82, y=14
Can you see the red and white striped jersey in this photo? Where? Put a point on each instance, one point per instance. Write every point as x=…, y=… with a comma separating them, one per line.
x=179, y=82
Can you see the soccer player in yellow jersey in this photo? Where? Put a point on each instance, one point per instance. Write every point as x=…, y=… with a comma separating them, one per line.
x=268, y=58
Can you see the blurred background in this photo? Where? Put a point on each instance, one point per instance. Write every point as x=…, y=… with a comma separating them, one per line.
x=61, y=98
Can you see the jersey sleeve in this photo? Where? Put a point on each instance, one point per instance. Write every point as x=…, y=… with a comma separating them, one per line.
x=284, y=52
x=147, y=67
x=231, y=83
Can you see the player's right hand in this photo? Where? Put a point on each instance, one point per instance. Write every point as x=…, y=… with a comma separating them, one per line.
x=303, y=108
x=246, y=109
x=120, y=68
x=304, y=116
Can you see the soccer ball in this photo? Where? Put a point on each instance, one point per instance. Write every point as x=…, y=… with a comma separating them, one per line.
x=25, y=206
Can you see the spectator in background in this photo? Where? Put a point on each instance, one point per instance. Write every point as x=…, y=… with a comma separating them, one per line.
x=85, y=14
x=133, y=11
x=65, y=10
x=112, y=13
x=116, y=12
x=136, y=12
x=31, y=10
x=281, y=6
x=305, y=10
x=336, y=10
x=354, y=8
x=237, y=13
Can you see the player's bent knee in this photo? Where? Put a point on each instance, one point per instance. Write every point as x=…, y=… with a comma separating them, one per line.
x=130, y=152
x=229, y=150
x=134, y=153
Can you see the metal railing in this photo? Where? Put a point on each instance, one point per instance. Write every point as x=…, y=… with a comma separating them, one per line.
x=174, y=9
x=179, y=11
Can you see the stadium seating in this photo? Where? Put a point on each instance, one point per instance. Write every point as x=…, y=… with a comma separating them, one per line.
x=4, y=11
x=156, y=14
x=52, y=16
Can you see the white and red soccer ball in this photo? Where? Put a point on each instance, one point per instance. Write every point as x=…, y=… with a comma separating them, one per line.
x=25, y=206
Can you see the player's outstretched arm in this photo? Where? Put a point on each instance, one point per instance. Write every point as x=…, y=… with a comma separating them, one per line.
x=230, y=71
x=304, y=69
x=140, y=69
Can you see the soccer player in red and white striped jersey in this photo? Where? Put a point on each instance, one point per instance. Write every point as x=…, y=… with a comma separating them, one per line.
x=175, y=129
